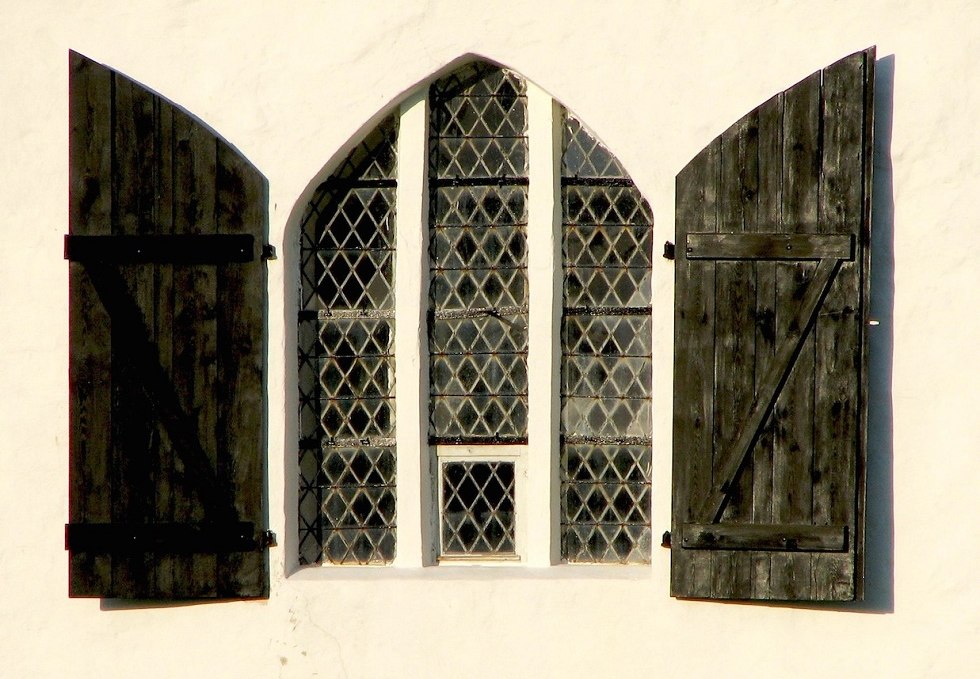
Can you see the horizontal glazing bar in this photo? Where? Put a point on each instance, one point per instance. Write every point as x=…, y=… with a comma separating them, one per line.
x=477, y=312
x=479, y=181
x=572, y=439
x=440, y=269
x=369, y=441
x=477, y=440
x=329, y=314
x=607, y=311
x=480, y=353
x=326, y=443
x=342, y=182
x=596, y=181
x=354, y=249
x=348, y=399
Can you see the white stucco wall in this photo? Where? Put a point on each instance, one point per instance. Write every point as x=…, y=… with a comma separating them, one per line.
x=290, y=84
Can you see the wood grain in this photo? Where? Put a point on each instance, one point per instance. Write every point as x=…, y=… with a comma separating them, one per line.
x=774, y=246
x=769, y=212
x=734, y=347
x=793, y=412
x=241, y=299
x=90, y=364
x=166, y=360
x=693, y=367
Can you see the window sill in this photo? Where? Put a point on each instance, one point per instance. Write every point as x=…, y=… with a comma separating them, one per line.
x=448, y=571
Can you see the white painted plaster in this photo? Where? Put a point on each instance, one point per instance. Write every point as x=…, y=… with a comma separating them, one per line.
x=291, y=85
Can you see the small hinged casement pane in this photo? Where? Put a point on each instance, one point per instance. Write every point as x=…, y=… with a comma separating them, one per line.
x=167, y=350
x=770, y=365
x=477, y=508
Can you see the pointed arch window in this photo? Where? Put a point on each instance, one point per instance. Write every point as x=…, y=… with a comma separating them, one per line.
x=478, y=304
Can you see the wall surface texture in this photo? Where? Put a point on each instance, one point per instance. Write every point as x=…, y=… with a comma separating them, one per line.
x=291, y=85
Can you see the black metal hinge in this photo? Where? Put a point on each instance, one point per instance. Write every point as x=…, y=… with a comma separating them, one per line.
x=268, y=539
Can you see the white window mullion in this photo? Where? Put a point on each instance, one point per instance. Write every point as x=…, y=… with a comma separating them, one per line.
x=414, y=478
x=544, y=323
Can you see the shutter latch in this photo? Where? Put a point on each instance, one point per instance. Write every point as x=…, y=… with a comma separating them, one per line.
x=668, y=250
x=665, y=540
x=268, y=252
x=267, y=539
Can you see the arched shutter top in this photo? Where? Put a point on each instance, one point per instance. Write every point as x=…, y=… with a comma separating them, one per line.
x=773, y=228
x=167, y=350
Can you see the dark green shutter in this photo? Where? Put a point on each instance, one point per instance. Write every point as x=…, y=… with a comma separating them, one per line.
x=770, y=369
x=167, y=350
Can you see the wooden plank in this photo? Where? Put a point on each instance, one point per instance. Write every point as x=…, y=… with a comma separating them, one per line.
x=793, y=412
x=195, y=331
x=838, y=331
x=157, y=388
x=241, y=299
x=734, y=336
x=697, y=199
x=163, y=447
x=864, y=316
x=770, y=389
x=133, y=194
x=769, y=211
x=792, y=246
x=772, y=537
x=90, y=368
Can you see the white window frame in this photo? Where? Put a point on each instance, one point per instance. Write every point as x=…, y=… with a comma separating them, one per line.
x=515, y=454
x=419, y=476
x=538, y=527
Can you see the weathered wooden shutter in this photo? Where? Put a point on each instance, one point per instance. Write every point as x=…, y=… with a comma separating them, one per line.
x=167, y=350
x=770, y=348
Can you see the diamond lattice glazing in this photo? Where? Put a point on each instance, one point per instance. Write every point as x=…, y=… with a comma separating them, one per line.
x=606, y=359
x=606, y=335
x=346, y=361
x=584, y=156
x=474, y=206
x=478, y=255
x=605, y=502
x=477, y=508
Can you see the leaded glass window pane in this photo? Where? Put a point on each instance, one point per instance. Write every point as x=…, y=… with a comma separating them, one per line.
x=477, y=507
x=346, y=360
x=584, y=156
x=605, y=503
x=606, y=357
x=478, y=256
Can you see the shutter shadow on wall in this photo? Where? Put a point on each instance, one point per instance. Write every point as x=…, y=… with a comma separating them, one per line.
x=167, y=351
x=770, y=366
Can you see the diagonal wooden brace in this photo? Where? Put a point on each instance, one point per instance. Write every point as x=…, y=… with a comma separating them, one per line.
x=159, y=390
x=772, y=383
